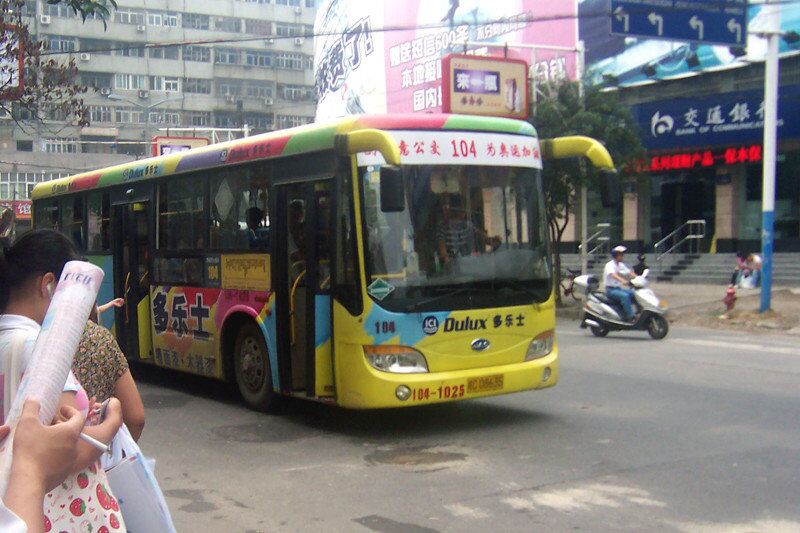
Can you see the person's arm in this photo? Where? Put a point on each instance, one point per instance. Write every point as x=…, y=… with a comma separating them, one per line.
x=40, y=460
x=104, y=432
x=132, y=407
x=116, y=302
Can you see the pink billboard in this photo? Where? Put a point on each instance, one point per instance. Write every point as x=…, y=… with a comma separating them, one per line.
x=386, y=57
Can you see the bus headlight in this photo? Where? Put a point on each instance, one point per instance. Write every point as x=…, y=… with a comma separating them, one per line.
x=541, y=345
x=396, y=359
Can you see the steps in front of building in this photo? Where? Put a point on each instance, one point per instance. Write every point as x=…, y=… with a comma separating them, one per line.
x=712, y=269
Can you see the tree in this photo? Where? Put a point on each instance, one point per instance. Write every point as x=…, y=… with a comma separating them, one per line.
x=50, y=86
x=601, y=115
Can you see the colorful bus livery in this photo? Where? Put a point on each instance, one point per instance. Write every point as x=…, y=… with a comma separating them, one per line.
x=375, y=261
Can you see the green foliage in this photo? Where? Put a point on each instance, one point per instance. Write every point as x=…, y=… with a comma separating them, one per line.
x=50, y=82
x=560, y=110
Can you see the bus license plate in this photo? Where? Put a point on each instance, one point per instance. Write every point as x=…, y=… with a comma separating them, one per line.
x=485, y=383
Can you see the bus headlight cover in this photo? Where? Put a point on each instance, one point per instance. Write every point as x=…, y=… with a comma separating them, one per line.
x=396, y=359
x=541, y=345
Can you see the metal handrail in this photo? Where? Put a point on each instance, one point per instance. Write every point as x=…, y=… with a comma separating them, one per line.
x=602, y=238
x=695, y=230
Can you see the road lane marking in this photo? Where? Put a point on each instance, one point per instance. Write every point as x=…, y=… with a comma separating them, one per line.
x=743, y=346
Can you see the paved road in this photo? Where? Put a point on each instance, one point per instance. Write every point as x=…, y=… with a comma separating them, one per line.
x=698, y=432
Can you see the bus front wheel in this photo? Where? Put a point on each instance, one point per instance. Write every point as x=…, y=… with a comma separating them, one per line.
x=251, y=366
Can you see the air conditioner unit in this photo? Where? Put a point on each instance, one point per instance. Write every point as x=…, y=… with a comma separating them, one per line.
x=298, y=11
x=298, y=41
x=143, y=93
x=268, y=101
x=44, y=19
x=105, y=91
x=270, y=41
x=140, y=28
x=230, y=98
x=85, y=56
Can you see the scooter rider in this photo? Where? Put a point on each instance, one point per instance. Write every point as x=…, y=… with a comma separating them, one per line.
x=616, y=276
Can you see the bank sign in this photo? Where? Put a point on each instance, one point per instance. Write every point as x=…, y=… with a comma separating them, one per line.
x=724, y=119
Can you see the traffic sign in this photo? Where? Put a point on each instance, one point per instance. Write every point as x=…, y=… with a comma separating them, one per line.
x=704, y=21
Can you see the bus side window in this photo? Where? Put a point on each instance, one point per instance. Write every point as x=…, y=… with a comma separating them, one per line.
x=239, y=219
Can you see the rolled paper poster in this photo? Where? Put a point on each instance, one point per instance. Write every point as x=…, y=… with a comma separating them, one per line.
x=54, y=350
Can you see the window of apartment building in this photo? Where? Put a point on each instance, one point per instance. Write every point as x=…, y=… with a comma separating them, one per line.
x=61, y=43
x=128, y=50
x=165, y=52
x=138, y=149
x=229, y=88
x=258, y=26
x=294, y=92
x=28, y=8
x=195, y=21
x=127, y=115
x=129, y=16
x=96, y=46
x=199, y=118
x=256, y=1
x=60, y=146
x=258, y=90
x=130, y=81
x=171, y=20
x=197, y=53
x=283, y=29
x=23, y=146
x=55, y=113
x=294, y=3
x=95, y=144
x=255, y=58
x=226, y=120
x=165, y=83
x=227, y=56
x=58, y=10
x=228, y=24
x=196, y=86
x=100, y=113
x=290, y=121
x=96, y=79
x=289, y=61
x=260, y=121
x=155, y=19
x=311, y=3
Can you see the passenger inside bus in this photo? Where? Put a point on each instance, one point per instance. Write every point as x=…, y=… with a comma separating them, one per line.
x=296, y=239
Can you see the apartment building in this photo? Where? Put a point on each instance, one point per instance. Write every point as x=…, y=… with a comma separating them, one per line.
x=163, y=64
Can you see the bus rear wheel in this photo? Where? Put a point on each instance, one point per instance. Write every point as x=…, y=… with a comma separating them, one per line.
x=251, y=367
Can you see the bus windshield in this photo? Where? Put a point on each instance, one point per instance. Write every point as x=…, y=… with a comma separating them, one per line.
x=466, y=236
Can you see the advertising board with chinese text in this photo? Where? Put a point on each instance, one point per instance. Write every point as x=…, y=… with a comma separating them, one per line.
x=493, y=86
x=360, y=68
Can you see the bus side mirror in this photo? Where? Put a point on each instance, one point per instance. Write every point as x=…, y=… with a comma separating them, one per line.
x=392, y=194
x=609, y=188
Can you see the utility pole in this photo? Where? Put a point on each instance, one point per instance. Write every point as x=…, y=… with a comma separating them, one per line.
x=771, y=80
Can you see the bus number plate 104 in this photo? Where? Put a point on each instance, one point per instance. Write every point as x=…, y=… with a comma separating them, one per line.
x=485, y=383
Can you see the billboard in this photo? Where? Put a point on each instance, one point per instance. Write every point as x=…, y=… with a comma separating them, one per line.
x=386, y=56
x=165, y=144
x=479, y=85
x=622, y=61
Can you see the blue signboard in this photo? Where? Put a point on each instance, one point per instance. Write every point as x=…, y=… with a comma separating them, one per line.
x=718, y=120
x=702, y=21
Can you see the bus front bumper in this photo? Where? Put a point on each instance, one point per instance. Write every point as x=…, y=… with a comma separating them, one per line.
x=367, y=388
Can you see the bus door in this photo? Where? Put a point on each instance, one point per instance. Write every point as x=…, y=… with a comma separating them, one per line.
x=302, y=265
x=131, y=246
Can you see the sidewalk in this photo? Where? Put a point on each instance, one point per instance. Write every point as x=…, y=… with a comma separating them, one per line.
x=701, y=306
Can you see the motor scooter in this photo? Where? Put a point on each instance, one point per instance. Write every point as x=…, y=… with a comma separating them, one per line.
x=602, y=315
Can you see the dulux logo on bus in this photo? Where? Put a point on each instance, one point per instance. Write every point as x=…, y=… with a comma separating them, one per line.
x=467, y=324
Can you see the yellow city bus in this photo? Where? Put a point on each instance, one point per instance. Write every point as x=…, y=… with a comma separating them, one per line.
x=374, y=261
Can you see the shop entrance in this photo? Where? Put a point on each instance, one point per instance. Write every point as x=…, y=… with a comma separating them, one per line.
x=688, y=197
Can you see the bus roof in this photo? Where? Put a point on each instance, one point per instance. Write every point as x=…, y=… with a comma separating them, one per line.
x=310, y=138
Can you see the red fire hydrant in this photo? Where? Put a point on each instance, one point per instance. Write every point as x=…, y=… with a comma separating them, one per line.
x=730, y=299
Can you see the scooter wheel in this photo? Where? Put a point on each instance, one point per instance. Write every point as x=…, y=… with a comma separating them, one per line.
x=657, y=327
x=599, y=331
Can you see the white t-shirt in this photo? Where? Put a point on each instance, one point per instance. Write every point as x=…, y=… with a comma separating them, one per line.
x=612, y=267
x=9, y=522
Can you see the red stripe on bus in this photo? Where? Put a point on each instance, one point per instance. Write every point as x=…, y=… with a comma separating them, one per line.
x=85, y=182
x=259, y=149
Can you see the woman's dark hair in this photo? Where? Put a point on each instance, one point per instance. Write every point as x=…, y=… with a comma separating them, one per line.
x=33, y=254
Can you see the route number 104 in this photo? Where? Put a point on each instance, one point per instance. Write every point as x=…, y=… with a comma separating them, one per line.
x=463, y=148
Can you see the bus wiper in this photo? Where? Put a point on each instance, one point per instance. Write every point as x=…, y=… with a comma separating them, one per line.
x=438, y=297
